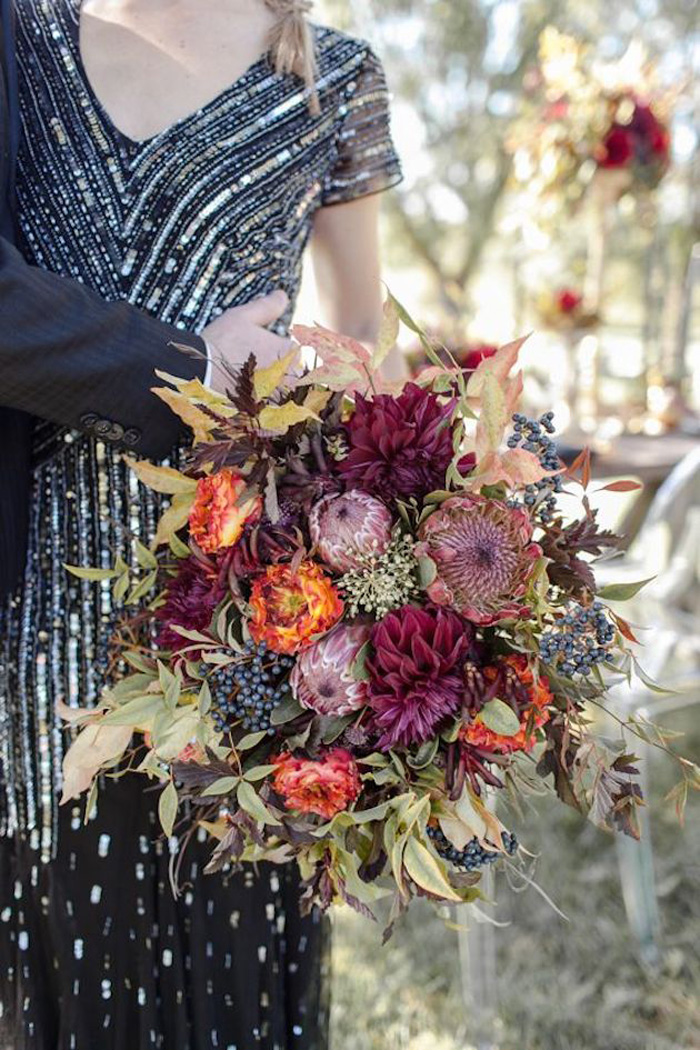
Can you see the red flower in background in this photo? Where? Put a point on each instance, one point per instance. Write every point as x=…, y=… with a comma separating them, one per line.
x=324, y=786
x=472, y=357
x=617, y=148
x=568, y=300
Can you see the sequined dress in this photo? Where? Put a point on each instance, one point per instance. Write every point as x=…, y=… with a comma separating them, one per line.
x=214, y=210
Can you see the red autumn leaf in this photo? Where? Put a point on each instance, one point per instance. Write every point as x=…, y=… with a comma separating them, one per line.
x=621, y=486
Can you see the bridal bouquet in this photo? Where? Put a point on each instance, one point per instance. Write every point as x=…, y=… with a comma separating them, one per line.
x=367, y=618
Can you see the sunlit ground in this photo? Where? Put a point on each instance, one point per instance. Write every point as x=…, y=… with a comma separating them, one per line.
x=563, y=986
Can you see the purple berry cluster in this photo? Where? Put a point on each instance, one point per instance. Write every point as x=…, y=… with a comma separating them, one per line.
x=249, y=690
x=473, y=856
x=582, y=639
x=533, y=435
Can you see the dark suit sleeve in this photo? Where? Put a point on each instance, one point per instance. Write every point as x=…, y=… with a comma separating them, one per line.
x=68, y=356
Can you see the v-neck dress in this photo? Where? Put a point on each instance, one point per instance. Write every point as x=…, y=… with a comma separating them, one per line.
x=209, y=213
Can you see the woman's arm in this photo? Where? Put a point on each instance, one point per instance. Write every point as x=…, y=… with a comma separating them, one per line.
x=345, y=247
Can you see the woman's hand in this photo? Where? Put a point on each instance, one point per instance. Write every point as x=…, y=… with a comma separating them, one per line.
x=242, y=331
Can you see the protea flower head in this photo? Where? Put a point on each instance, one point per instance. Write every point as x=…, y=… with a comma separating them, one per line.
x=399, y=446
x=415, y=671
x=323, y=679
x=344, y=528
x=484, y=557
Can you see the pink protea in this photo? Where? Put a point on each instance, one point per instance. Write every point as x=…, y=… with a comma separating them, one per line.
x=416, y=678
x=322, y=678
x=483, y=555
x=344, y=528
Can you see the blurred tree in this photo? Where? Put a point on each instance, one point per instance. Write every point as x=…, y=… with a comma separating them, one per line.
x=458, y=69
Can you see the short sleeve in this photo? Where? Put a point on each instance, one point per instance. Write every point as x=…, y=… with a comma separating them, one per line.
x=366, y=161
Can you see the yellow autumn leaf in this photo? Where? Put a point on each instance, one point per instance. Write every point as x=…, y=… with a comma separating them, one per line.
x=267, y=380
x=195, y=390
x=279, y=418
x=174, y=519
x=199, y=422
x=161, y=479
x=388, y=334
x=316, y=400
x=493, y=418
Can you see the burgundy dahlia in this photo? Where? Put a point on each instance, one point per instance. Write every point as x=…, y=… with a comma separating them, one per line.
x=344, y=528
x=483, y=555
x=323, y=679
x=191, y=598
x=416, y=672
x=399, y=446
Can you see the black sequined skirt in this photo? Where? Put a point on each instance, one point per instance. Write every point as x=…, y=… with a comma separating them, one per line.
x=94, y=948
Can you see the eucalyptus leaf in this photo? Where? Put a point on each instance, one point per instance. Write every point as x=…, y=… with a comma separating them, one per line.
x=622, y=592
x=427, y=571
x=94, y=575
x=250, y=801
x=426, y=871
x=332, y=728
x=358, y=669
x=258, y=773
x=167, y=808
x=500, y=718
x=222, y=786
x=139, y=711
x=247, y=743
x=424, y=755
x=287, y=711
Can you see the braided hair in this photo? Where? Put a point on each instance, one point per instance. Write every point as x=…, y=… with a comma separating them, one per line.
x=292, y=45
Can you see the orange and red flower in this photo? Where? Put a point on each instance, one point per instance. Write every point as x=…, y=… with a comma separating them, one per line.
x=218, y=515
x=324, y=786
x=291, y=606
x=533, y=713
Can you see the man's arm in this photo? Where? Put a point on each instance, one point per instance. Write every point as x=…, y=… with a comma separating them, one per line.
x=68, y=356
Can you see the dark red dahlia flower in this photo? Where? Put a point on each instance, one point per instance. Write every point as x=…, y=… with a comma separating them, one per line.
x=190, y=601
x=399, y=446
x=415, y=669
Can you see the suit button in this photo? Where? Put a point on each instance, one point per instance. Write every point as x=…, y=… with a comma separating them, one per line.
x=102, y=427
x=89, y=420
x=132, y=436
x=116, y=432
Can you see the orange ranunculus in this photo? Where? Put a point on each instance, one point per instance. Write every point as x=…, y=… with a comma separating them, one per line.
x=324, y=786
x=217, y=518
x=290, y=607
x=533, y=715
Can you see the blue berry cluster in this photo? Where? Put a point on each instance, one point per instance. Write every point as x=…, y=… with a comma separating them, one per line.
x=582, y=639
x=473, y=856
x=249, y=690
x=533, y=435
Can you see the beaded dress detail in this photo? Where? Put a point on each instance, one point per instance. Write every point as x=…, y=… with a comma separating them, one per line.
x=209, y=213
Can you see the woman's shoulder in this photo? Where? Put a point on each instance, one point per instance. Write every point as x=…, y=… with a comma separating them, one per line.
x=340, y=53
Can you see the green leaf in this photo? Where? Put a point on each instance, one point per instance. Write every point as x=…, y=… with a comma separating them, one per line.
x=500, y=718
x=167, y=808
x=358, y=669
x=427, y=571
x=121, y=586
x=332, y=728
x=250, y=801
x=424, y=755
x=137, y=712
x=143, y=587
x=222, y=786
x=145, y=558
x=204, y=699
x=94, y=575
x=179, y=549
x=425, y=871
x=287, y=711
x=622, y=592
x=171, y=685
x=251, y=740
x=258, y=773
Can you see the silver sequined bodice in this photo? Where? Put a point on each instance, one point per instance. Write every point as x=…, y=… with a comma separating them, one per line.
x=209, y=213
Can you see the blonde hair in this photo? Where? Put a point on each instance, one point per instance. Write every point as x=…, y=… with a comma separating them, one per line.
x=292, y=46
